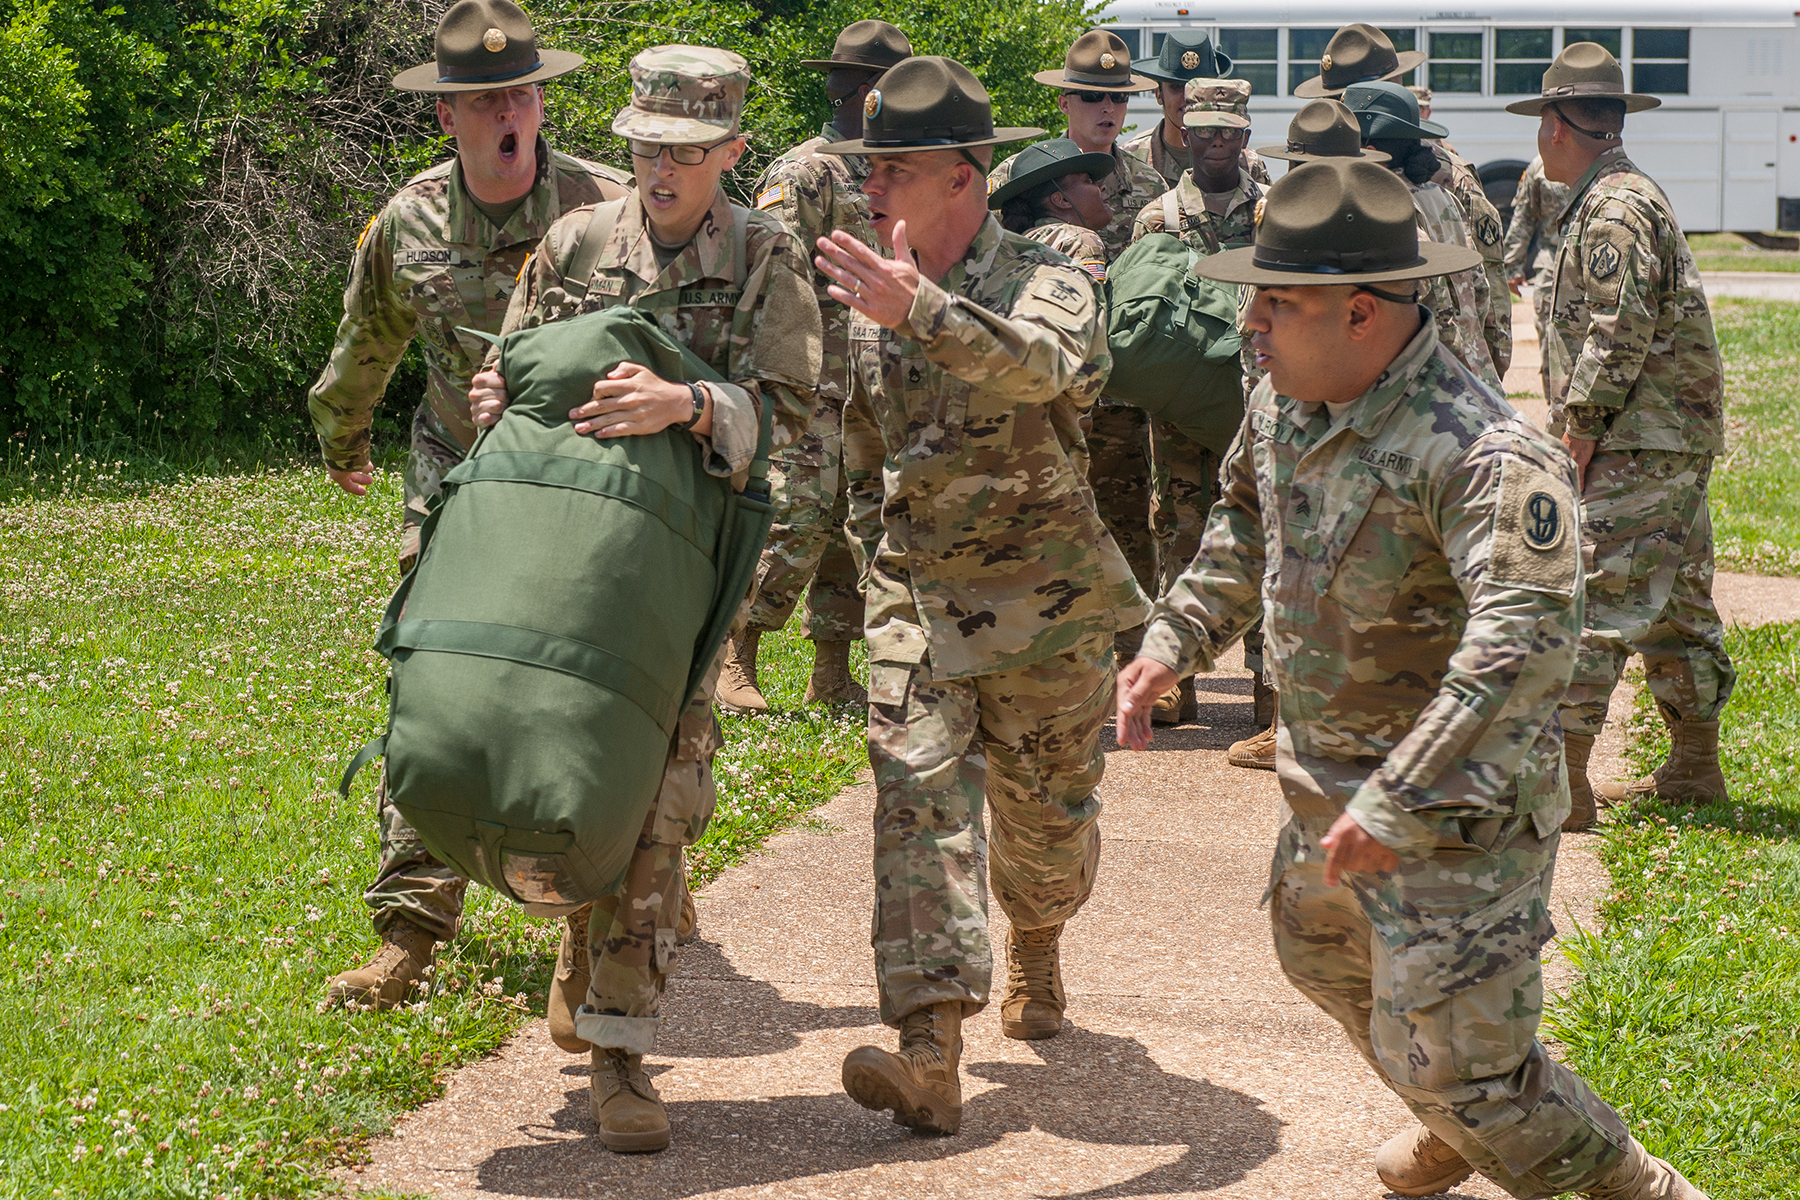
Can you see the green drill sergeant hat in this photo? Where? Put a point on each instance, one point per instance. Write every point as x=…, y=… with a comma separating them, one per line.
x=1387, y=110
x=1184, y=56
x=1322, y=129
x=1584, y=71
x=684, y=94
x=482, y=45
x=1099, y=61
x=1217, y=103
x=864, y=46
x=1335, y=222
x=1043, y=161
x=1355, y=53
x=928, y=103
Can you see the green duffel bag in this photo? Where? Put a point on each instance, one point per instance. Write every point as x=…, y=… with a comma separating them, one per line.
x=569, y=595
x=1174, y=341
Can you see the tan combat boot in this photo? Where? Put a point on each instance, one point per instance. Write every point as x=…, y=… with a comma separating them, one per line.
x=1640, y=1175
x=737, y=691
x=1577, y=747
x=687, y=925
x=1420, y=1163
x=1034, y=1002
x=1258, y=753
x=624, y=1105
x=831, y=681
x=386, y=980
x=920, y=1083
x=569, y=986
x=1177, y=706
x=1691, y=772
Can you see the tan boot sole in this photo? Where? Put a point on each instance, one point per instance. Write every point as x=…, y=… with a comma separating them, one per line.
x=1251, y=761
x=1031, y=1031
x=642, y=1141
x=1442, y=1184
x=872, y=1079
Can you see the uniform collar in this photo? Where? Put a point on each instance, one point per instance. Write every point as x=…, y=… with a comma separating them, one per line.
x=1609, y=157
x=708, y=256
x=466, y=225
x=978, y=257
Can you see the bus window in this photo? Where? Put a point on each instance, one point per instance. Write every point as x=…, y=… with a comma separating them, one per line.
x=1130, y=38
x=1254, y=52
x=1659, y=61
x=1606, y=37
x=1521, y=56
x=1456, y=62
x=1305, y=48
x=1404, y=40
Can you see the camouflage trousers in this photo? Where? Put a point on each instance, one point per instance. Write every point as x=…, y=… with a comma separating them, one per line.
x=808, y=550
x=1543, y=290
x=434, y=454
x=1647, y=538
x=1122, y=477
x=1023, y=743
x=1434, y=973
x=1186, y=485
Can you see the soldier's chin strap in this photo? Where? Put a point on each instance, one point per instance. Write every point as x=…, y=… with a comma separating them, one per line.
x=973, y=161
x=1599, y=135
x=1390, y=297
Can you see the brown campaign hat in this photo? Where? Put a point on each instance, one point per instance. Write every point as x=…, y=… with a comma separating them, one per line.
x=864, y=46
x=1332, y=222
x=482, y=45
x=1322, y=129
x=928, y=103
x=1583, y=71
x=1099, y=61
x=1354, y=54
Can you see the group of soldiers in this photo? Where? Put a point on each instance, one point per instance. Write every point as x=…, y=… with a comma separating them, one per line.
x=1440, y=594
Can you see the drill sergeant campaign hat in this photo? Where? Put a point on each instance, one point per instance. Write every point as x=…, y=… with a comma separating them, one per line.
x=483, y=45
x=1099, y=61
x=684, y=94
x=1053, y=158
x=1322, y=129
x=1355, y=53
x=1583, y=71
x=928, y=103
x=1338, y=221
x=864, y=46
x=1217, y=103
x=1183, y=56
x=1387, y=110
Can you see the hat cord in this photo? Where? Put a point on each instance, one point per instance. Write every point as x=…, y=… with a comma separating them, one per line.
x=1599, y=135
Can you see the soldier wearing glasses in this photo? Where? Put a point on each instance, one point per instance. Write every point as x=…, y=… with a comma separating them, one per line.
x=1180, y=58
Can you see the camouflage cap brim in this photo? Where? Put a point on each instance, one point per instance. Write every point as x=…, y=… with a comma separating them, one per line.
x=426, y=78
x=668, y=129
x=1214, y=120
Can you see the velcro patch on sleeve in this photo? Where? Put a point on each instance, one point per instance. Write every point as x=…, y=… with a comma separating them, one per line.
x=1605, y=259
x=1537, y=531
x=1095, y=267
x=771, y=197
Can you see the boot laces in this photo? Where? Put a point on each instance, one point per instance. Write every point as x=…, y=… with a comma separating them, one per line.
x=1032, y=965
x=621, y=1073
x=399, y=946
x=918, y=1038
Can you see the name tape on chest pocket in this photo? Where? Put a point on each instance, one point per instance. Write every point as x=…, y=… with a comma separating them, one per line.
x=865, y=331
x=702, y=297
x=426, y=257
x=1536, y=541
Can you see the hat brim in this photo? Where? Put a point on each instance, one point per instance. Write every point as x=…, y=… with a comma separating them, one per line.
x=833, y=64
x=1214, y=120
x=1634, y=102
x=424, y=77
x=1239, y=266
x=1098, y=163
x=1059, y=81
x=669, y=130
x=1295, y=156
x=1314, y=88
x=1152, y=68
x=1390, y=126
x=1009, y=133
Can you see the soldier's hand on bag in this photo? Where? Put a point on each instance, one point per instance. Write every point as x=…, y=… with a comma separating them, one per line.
x=1582, y=451
x=356, y=481
x=882, y=289
x=1140, y=683
x=1348, y=847
x=634, y=400
x=487, y=398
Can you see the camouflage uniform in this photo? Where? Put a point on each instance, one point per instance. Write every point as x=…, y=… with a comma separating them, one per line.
x=1172, y=164
x=1486, y=234
x=1633, y=364
x=1081, y=244
x=992, y=590
x=1424, y=600
x=1132, y=184
x=1457, y=301
x=1531, y=244
x=429, y=262
x=814, y=194
x=764, y=339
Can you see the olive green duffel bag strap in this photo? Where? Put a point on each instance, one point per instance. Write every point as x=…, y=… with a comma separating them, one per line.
x=585, y=253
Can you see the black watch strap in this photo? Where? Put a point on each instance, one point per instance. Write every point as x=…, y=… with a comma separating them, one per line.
x=699, y=406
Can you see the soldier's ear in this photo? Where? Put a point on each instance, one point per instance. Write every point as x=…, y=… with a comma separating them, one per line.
x=446, y=115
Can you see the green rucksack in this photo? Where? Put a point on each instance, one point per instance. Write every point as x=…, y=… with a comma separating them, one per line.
x=1174, y=340
x=568, y=597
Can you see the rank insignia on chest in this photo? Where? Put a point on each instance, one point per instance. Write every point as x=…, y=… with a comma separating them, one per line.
x=914, y=375
x=429, y=256
x=1303, y=508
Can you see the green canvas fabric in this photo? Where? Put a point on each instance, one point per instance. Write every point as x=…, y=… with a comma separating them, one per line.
x=569, y=594
x=1174, y=341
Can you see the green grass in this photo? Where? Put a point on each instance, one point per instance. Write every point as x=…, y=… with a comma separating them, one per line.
x=1755, y=488
x=184, y=669
x=1729, y=252
x=1687, y=1014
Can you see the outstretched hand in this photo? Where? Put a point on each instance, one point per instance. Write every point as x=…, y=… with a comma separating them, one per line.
x=1140, y=683
x=882, y=289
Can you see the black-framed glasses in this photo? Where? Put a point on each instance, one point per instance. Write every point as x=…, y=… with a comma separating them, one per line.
x=1097, y=97
x=688, y=154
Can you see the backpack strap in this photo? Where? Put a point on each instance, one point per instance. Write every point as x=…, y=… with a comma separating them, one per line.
x=1171, y=213
x=585, y=253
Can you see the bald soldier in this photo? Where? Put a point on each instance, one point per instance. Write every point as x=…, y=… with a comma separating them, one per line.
x=441, y=257
x=1637, y=393
x=1183, y=55
x=1410, y=539
x=992, y=588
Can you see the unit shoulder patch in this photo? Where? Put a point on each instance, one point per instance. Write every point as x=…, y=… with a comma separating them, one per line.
x=1605, y=258
x=1536, y=538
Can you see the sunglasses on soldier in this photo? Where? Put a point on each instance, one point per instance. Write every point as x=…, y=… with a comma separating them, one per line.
x=688, y=154
x=1097, y=97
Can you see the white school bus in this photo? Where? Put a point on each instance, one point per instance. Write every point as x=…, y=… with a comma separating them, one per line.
x=1725, y=144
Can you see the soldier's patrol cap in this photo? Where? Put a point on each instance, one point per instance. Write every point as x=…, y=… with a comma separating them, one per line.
x=1182, y=56
x=1583, y=71
x=864, y=46
x=1050, y=159
x=1355, y=53
x=1333, y=222
x=483, y=45
x=928, y=103
x=1322, y=129
x=684, y=94
x=1099, y=61
x=1421, y=94
x=1217, y=104
x=1387, y=110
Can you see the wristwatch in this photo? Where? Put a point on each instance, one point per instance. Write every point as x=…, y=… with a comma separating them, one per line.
x=699, y=406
